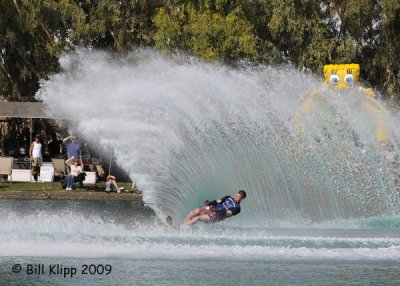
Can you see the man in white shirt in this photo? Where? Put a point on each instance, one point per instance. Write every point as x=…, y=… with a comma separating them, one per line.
x=35, y=152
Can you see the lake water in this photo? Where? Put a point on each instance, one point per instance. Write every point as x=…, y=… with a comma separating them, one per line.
x=119, y=243
x=323, y=204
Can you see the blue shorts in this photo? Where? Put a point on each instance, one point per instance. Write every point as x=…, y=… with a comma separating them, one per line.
x=109, y=186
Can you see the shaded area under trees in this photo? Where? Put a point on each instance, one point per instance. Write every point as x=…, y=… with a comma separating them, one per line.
x=305, y=33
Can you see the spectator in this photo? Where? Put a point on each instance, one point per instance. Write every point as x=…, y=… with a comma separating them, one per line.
x=35, y=153
x=110, y=182
x=75, y=171
x=73, y=149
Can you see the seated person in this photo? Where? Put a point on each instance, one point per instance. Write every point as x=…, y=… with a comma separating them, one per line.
x=110, y=182
x=76, y=172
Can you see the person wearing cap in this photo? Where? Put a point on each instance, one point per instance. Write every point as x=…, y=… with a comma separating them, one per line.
x=35, y=153
x=73, y=163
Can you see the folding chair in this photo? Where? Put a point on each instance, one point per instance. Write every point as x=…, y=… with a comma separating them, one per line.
x=59, y=168
x=100, y=171
x=6, y=164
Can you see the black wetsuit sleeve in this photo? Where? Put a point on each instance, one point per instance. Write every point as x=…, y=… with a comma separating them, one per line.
x=235, y=211
x=224, y=199
x=214, y=203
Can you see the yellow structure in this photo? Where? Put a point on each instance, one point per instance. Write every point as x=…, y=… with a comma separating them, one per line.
x=341, y=77
x=345, y=76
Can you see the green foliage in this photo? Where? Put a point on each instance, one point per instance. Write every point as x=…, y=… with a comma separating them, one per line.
x=169, y=26
x=33, y=34
x=118, y=25
x=54, y=188
x=204, y=33
x=305, y=33
x=375, y=27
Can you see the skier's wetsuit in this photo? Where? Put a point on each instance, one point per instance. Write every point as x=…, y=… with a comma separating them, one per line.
x=217, y=211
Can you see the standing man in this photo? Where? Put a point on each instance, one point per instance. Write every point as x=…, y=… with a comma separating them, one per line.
x=73, y=150
x=35, y=153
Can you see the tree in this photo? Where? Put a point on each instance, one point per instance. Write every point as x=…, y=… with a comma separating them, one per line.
x=375, y=26
x=33, y=34
x=305, y=33
x=205, y=33
x=117, y=25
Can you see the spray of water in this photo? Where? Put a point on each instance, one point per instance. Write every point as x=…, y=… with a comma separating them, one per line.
x=187, y=131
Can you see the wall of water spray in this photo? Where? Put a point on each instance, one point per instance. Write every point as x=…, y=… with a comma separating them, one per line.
x=187, y=131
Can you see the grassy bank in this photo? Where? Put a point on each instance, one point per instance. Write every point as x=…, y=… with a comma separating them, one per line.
x=53, y=190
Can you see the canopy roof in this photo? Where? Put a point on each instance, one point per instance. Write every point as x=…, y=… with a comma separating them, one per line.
x=23, y=110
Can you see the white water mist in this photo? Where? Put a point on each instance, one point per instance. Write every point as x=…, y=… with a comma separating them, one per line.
x=187, y=131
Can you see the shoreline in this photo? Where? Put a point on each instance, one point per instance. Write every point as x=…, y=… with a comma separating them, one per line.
x=69, y=195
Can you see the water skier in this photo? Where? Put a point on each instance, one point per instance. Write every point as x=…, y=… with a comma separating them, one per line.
x=217, y=210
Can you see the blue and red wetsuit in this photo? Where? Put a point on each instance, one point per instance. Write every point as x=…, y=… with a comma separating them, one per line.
x=217, y=211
